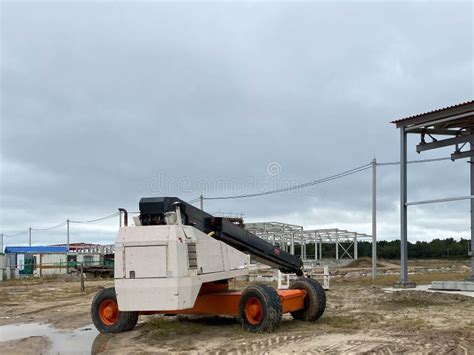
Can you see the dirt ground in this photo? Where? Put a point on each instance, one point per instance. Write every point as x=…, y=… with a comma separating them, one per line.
x=360, y=317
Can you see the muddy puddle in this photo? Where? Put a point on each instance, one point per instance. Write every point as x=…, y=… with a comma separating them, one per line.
x=83, y=340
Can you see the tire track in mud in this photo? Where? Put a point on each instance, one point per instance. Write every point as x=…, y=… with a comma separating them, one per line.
x=262, y=345
x=347, y=343
x=43, y=309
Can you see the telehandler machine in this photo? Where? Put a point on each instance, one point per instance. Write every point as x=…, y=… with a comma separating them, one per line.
x=178, y=259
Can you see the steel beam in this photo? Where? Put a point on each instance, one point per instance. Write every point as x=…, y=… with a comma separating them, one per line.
x=462, y=155
x=404, y=282
x=320, y=248
x=292, y=246
x=435, y=121
x=436, y=131
x=444, y=143
x=471, y=276
x=315, y=249
x=448, y=199
x=345, y=251
x=356, y=251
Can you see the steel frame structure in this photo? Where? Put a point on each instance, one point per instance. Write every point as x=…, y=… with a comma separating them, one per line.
x=286, y=236
x=455, y=122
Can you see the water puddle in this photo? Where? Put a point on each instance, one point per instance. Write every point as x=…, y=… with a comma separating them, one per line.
x=81, y=340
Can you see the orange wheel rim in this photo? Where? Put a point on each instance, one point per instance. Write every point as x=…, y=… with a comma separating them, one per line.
x=108, y=312
x=254, y=310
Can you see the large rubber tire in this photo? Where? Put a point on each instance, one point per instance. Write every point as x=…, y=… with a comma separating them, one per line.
x=260, y=309
x=106, y=316
x=314, y=302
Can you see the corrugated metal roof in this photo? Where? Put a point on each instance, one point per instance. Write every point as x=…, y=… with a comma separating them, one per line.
x=433, y=111
x=36, y=249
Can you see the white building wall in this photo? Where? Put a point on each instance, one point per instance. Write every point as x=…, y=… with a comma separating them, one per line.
x=3, y=261
x=3, y=267
x=51, y=264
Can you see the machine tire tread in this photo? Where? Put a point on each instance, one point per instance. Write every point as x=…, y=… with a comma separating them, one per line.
x=315, y=300
x=271, y=303
x=126, y=320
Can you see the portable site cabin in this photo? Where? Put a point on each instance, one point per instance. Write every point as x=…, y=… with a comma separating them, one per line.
x=55, y=260
x=38, y=260
x=89, y=259
x=88, y=254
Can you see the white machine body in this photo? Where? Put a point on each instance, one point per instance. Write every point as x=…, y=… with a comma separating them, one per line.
x=162, y=267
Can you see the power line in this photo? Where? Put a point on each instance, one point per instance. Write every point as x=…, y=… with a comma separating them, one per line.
x=195, y=200
x=257, y=194
x=15, y=235
x=61, y=225
x=296, y=187
x=413, y=161
x=50, y=228
x=115, y=214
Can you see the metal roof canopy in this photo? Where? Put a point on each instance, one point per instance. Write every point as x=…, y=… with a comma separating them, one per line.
x=35, y=249
x=446, y=127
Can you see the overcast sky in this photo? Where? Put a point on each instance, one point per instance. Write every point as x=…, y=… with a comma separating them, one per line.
x=104, y=103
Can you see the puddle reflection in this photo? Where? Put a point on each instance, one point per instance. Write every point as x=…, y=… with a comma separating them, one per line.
x=83, y=340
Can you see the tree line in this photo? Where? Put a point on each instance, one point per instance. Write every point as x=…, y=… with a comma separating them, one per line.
x=436, y=249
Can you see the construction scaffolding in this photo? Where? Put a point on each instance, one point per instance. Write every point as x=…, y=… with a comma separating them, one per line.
x=286, y=236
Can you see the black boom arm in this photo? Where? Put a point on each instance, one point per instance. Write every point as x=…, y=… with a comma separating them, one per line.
x=153, y=209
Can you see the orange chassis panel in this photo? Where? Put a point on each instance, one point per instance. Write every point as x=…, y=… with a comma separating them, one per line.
x=216, y=299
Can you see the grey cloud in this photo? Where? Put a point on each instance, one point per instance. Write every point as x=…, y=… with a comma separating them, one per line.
x=98, y=99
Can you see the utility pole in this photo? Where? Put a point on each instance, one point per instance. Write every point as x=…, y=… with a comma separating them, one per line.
x=201, y=199
x=29, y=237
x=67, y=242
x=374, y=218
x=1, y=250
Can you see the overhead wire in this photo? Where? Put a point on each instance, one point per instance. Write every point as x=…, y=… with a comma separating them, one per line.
x=115, y=214
x=15, y=235
x=413, y=161
x=296, y=187
x=257, y=194
x=50, y=228
x=62, y=224
x=195, y=200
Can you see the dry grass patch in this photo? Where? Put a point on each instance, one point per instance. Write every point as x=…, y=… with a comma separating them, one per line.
x=171, y=326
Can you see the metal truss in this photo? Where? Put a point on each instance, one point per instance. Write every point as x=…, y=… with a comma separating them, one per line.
x=286, y=236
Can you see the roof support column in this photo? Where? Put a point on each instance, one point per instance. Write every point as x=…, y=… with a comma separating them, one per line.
x=320, y=248
x=337, y=247
x=292, y=246
x=471, y=276
x=404, y=283
x=356, y=252
x=315, y=249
